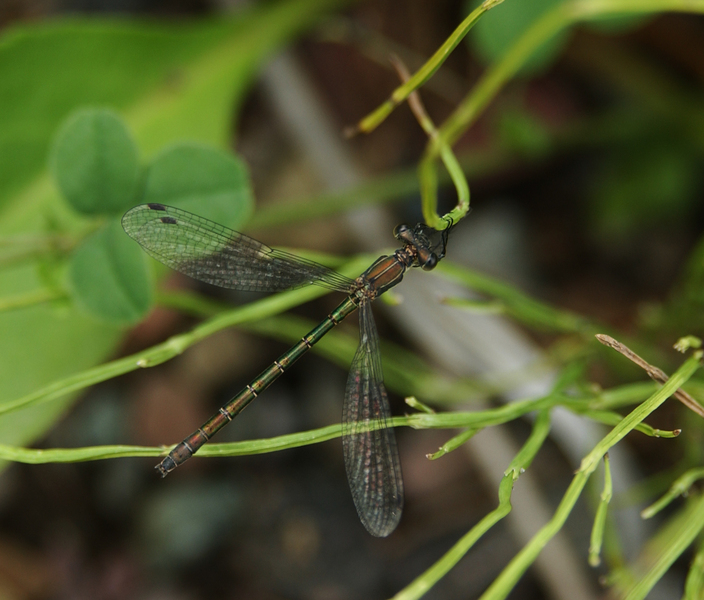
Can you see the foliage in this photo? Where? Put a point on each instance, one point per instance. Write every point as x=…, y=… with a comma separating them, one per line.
x=95, y=281
x=173, y=84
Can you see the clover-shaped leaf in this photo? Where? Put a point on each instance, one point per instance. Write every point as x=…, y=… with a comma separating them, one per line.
x=94, y=161
x=108, y=276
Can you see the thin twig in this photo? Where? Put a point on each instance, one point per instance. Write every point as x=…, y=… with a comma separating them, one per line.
x=414, y=101
x=654, y=373
x=429, y=189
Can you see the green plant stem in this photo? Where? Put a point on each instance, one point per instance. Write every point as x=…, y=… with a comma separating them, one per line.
x=679, y=534
x=401, y=93
x=283, y=442
x=519, y=464
x=451, y=164
x=608, y=417
x=623, y=395
x=594, y=131
x=539, y=433
x=429, y=187
x=641, y=412
x=478, y=418
x=174, y=345
x=387, y=188
x=561, y=17
x=40, y=296
x=19, y=248
x=420, y=586
x=452, y=444
x=33, y=456
x=517, y=304
x=244, y=448
x=472, y=419
x=508, y=578
x=679, y=488
x=429, y=180
x=597, y=536
x=694, y=586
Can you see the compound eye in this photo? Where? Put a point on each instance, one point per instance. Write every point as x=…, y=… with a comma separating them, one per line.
x=430, y=263
x=405, y=234
x=400, y=231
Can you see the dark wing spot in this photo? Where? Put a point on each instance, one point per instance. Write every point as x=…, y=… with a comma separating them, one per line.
x=168, y=220
x=156, y=206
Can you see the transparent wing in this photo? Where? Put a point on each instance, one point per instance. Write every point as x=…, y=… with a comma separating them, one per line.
x=371, y=456
x=209, y=252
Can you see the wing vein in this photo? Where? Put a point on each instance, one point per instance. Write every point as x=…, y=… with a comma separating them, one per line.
x=212, y=253
x=369, y=444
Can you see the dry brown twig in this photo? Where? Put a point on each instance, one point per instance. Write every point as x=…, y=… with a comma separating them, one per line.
x=654, y=373
x=414, y=100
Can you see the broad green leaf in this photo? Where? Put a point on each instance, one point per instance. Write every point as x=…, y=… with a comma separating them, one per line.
x=201, y=180
x=171, y=82
x=94, y=162
x=499, y=29
x=108, y=276
x=49, y=69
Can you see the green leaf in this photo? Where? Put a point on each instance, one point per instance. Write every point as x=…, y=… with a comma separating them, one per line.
x=202, y=180
x=108, y=277
x=499, y=29
x=94, y=162
x=117, y=63
x=170, y=81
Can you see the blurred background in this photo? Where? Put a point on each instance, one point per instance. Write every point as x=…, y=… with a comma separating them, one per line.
x=585, y=175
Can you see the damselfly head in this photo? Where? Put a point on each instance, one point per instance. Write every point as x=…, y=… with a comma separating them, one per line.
x=429, y=244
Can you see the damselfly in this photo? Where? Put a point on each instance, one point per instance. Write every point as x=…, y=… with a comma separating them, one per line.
x=215, y=254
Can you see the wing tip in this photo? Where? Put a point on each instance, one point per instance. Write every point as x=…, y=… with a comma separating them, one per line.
x=385, y=526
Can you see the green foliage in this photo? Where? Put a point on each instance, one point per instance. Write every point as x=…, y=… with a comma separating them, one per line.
x=108, y=277
x=170, y=82
x=500, y=29
x=178, y=83
x=94, y=162
x=202, y=180
x=51, y=68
